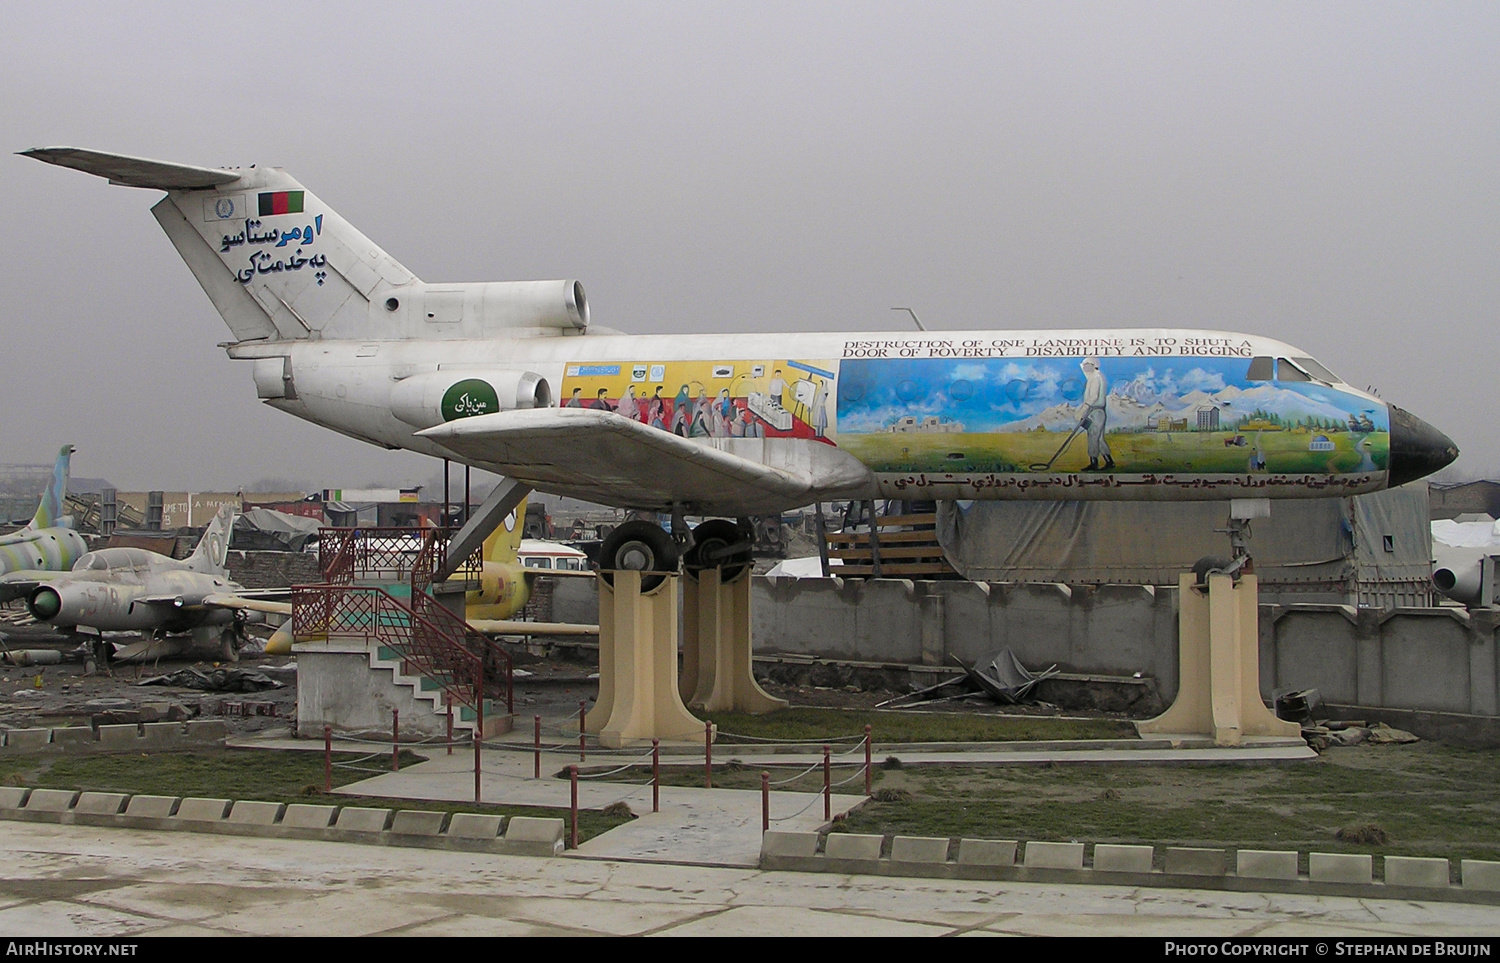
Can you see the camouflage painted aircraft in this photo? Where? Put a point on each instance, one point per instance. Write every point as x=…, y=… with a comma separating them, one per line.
x=512, y=378
x=48, y=542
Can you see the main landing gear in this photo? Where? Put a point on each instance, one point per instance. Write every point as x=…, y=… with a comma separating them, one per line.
x=647, y=548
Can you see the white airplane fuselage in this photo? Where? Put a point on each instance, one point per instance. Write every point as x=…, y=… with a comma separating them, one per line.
x=354, y=387
x=511, y=377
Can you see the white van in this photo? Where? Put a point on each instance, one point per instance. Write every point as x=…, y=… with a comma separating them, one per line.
x=535, y=553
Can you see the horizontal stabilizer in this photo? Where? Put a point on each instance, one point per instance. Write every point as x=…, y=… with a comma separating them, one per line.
x=134, y=171
x=608, y=458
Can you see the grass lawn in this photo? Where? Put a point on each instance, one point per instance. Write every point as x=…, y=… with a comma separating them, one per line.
x=285, y=776
x=888, y=726
x=1428, y=800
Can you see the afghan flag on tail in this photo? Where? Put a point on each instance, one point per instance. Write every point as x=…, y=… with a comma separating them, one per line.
x=280, y=202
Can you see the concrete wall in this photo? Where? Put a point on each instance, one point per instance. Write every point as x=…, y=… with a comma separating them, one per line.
x=339, y=688
x=1429, y=659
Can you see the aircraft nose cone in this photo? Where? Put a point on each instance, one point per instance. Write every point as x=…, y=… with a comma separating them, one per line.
x=1417, y=448
x=45, y=604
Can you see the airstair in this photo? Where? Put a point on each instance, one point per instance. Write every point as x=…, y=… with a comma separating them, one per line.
x=377, y=592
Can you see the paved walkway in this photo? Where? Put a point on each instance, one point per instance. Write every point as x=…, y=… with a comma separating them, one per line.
x=78, y=881
x=718, y=827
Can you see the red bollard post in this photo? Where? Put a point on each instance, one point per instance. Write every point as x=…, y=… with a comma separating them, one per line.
x=450, y=730
x=395, y=740
x=582, y=710
x=328, y=758
x=867, y=760
x=537, y=752
x=708, y=755
x=827, y=786
x=573, y=807
x=765, y=802
x=656, y=775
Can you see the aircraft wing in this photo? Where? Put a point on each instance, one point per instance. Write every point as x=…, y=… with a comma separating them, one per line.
x=514, y=627
x=247, y=604
x=219, y=601
x=604, y=457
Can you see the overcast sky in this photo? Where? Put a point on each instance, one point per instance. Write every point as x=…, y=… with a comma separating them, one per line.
x=1323, y=173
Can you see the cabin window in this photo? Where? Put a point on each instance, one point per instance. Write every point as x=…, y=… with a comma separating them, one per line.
x=1261, y=369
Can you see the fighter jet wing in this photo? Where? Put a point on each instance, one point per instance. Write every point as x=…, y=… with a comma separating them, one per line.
x=248, y=604
x=514, y=627
x=608, y=458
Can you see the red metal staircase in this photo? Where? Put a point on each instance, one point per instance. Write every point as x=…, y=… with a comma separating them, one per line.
x=358, y=566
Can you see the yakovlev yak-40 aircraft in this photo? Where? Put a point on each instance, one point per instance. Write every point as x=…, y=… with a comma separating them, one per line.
x=511, y=377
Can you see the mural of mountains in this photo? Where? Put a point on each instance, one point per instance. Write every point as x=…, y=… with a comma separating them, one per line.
x=1129, y=413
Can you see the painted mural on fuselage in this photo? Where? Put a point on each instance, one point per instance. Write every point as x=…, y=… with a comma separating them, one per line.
x=711, y=399
x=1135, y=416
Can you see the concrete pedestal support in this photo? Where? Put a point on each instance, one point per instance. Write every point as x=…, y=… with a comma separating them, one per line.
x=1218, y=691
x=716, y=670
x=638, y=698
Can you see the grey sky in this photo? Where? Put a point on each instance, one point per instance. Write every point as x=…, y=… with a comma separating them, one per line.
x=1322, y=173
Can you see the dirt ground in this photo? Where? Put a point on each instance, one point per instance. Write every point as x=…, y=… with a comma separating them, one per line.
x=77, y=693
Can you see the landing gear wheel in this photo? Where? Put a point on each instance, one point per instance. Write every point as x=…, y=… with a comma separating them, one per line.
x=638, y=547
x=1205, y=565
x=710, y=540
x=229, y=645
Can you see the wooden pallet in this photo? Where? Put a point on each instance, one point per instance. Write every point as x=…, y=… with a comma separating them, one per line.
x=903, y=546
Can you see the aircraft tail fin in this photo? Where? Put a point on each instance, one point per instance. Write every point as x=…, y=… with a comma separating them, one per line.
x=50, y=512
x=277, y=262
x=281, y=265
x=504, y=543
x=212, y=553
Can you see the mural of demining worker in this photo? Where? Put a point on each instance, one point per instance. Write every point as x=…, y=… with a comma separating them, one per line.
x=1157, y=416
x=1095, y=415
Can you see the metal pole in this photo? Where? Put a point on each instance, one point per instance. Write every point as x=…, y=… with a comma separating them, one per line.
x=583, y=705
x=450, y=730
x=708, y=755
x=467, y=502
x=573, y=806
x=478, y=726
x=827, y=786
x=656, y=775
x=867, y=760
x=537, y=752
x=328, y=758
x=822, y=533
x=395, y=740
x=765, y=802
x=447, y=521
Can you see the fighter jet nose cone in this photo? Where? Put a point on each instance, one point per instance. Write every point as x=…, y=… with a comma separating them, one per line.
x=1417, y=448
x=45, y=604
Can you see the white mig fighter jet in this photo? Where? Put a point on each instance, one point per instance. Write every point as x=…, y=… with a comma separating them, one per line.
x=511, y=377
x=132, y=589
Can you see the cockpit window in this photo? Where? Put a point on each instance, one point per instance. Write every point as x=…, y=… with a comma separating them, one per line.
x=92, y=563
x=1317, y=370
x=1286, y=371
x=1261, y=369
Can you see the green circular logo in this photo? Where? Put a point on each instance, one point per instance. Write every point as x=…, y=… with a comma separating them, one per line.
x=468, y=398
